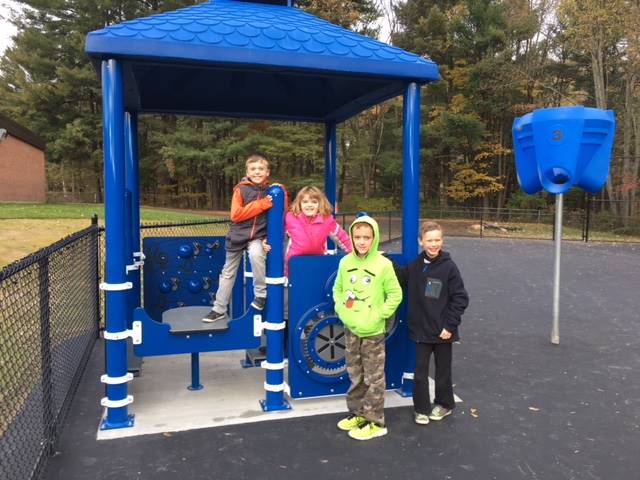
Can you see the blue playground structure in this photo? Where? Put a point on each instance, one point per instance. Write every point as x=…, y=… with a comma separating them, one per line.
x=267, y=60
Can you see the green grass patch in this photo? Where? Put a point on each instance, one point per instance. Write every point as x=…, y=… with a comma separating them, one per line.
x=41, y=211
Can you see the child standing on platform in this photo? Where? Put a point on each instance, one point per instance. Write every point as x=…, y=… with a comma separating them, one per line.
x=437, y=299
x=366, y=293
x=248, y=230
x=309, y=223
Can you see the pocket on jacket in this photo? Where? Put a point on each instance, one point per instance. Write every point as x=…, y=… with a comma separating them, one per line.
x=433, y=288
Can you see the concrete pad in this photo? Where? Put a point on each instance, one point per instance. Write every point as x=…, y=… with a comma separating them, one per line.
x=231, y=394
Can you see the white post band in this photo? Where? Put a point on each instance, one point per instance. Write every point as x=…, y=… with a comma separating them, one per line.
x=276, y=280
x=105, y=402
x=272, y=366
x=116, y=380
x=115, y=287
x=407, y=376
x=283, y=387
x=135, y=333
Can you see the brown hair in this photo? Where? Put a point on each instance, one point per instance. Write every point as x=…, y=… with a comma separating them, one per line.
x=429, y=226
x=324, y=207
x=256, y=157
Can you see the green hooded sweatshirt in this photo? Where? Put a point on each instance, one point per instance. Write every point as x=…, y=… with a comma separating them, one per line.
x=366, y=291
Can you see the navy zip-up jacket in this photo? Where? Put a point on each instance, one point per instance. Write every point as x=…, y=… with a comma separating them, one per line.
x=436, y=297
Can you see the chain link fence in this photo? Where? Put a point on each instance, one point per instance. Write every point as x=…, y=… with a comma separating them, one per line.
x=48, y=325
x=582, y=224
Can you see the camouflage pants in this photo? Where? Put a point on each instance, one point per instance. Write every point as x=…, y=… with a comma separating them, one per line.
x=365, y=366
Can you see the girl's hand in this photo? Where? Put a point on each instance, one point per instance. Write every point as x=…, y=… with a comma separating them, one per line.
x=445, y=334
x=265, y=246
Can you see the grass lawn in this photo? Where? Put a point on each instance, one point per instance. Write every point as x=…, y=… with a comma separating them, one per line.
x=27, y=227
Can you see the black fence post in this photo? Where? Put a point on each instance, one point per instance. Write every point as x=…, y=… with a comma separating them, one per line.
x=96, y=244
x=46, y=359
x=587, y=224
x=481, y=222
x=389, y=225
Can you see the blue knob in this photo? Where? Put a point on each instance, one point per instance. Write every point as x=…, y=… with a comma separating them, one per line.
x=195, y=285
x=165, y=286
x=185, y=251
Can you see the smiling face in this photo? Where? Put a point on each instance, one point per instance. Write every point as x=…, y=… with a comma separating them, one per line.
x=362, y=237
x=431, y=242
x=258, y=171
x=309, y=206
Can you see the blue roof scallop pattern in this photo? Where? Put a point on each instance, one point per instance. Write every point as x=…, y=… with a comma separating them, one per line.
x=228, y=31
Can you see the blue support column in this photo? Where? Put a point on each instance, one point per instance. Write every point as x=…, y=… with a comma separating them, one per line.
x=133, y=186
x=195, y=372
x=330, y=167
x=115, y=285
x=410, y=203
x=274, y=385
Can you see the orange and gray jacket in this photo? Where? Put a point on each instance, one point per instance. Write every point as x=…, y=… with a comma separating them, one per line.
x=249, y=206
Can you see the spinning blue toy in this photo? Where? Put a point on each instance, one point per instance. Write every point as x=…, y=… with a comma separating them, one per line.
x=555, y=149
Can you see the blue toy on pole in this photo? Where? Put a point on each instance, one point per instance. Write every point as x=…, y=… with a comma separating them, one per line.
x=557, y=148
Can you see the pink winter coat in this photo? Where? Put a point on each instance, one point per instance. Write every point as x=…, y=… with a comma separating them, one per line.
x=309, y=236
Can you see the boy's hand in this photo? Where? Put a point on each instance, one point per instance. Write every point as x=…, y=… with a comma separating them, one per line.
x=265, y=246
x=445, y=334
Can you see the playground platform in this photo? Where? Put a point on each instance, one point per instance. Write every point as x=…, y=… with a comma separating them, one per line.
x=528, y=410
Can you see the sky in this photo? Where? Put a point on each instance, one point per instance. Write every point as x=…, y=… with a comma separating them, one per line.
x=6, y=29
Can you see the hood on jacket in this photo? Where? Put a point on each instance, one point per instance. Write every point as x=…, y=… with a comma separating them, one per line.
x=376, y=234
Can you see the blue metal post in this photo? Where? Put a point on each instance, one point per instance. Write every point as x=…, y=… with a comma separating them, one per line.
x=330, y=166
x=128, y=253
x=195, y=372
x=133, y=186
x=410, y=202
x=274, y=325
x=115, y=285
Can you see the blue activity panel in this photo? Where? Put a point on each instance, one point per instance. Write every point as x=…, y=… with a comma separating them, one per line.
x=181, y=271
x=557, y=148
x=317, y=364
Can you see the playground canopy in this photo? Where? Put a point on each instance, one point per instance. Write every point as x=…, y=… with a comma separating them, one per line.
x=253, y=60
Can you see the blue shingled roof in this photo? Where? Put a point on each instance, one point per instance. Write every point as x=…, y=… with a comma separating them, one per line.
x=282, y=43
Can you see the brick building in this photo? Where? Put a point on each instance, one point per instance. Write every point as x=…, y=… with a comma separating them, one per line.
x=22, y=171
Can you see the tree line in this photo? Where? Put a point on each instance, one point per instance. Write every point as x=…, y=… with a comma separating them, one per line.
x=498, y=59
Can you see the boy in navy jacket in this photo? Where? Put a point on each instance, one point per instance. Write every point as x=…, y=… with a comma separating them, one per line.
x=436, y=301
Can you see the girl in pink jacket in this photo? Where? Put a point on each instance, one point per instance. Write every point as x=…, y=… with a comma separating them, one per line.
x=309, y=223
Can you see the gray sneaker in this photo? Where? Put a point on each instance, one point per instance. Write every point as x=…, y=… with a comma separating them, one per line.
x=214, y=316
x=439, y=412
x=259, y=303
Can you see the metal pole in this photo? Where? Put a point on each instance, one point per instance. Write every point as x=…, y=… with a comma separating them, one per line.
x=115, y=286
x=274, y=384
x=555, y=329
x=410, y=205
x=330, y=168
x=133, y=185
x=195, y=372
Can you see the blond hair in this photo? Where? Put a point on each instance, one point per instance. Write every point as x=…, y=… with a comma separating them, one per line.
x=256, y=157
x=429, y=226
x=324, y=207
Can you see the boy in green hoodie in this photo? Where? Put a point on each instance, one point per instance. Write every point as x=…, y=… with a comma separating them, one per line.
x=366, y=293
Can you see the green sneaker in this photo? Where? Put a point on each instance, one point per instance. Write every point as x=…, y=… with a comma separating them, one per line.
x=439, y=412
x=351, y=422
x=368, y=431
x=421, y=418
